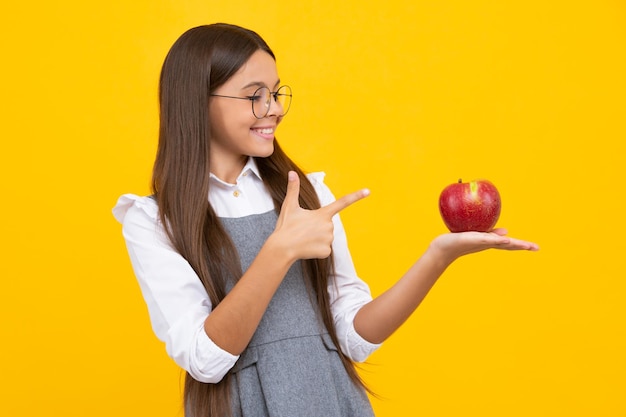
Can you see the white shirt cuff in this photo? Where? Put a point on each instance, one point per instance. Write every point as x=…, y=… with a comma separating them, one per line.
x=360, y=349
x=208, y=362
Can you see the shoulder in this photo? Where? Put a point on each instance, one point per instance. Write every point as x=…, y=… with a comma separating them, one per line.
x=131, y=206
x=323, y=192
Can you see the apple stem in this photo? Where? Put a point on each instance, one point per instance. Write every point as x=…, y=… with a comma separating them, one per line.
x=460, y=180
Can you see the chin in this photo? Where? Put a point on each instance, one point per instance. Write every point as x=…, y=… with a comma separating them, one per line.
x=265, y=152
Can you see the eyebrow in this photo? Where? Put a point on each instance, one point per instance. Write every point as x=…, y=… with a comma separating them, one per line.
x=258, y=84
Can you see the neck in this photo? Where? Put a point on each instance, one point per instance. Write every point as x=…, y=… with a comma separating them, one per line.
x=228, y=171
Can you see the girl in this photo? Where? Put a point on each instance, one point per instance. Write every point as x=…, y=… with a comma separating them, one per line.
x=242, y=258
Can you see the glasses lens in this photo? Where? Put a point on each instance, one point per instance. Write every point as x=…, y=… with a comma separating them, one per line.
x=261, y=102
x=283, y=97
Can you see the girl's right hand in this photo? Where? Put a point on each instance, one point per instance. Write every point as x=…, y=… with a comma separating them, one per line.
x=308, y=234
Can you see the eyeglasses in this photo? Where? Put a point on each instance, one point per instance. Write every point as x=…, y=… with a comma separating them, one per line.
x=262, y=100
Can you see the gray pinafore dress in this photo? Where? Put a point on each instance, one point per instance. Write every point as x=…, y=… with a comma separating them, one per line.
x=291, y=367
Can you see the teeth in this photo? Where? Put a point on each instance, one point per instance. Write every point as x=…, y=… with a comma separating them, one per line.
x=266, y=131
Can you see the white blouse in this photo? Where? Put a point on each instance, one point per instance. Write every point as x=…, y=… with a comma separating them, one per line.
x=176, y=299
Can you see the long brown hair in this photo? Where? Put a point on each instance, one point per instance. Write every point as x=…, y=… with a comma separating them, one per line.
x=200, y=61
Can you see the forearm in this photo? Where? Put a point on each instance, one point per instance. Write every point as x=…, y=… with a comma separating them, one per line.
x=378, y=319
x=234, y=320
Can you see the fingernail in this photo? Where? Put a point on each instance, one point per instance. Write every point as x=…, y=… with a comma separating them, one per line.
x=292, y=176
x=366, y=192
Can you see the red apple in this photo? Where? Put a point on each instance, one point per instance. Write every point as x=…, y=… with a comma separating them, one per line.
x=470, y=206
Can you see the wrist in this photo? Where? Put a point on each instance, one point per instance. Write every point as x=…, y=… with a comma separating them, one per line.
x=438, y=257
x=278, y=250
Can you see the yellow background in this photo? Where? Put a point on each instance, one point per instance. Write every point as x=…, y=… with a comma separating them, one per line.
x=403, y=97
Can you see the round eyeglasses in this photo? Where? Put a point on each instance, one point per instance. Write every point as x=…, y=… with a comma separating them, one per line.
x=262, y=100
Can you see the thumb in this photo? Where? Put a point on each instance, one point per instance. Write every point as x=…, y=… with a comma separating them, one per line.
x=293, y=191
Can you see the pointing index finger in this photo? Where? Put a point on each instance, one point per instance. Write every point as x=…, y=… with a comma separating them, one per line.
x=345, y=201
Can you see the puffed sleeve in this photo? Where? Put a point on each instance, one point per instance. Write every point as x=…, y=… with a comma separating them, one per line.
x=177, y=302
x=348, y=293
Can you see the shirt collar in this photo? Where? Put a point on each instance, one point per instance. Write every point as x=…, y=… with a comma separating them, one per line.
x=249, y=167
x=252, y=167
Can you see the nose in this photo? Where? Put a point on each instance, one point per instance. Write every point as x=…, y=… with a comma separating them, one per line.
x=275, y=108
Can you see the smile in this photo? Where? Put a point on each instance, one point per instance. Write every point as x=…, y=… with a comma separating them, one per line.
x=265, y=130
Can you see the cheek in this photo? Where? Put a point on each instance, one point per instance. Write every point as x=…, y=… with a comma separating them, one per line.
x=220, y=120
x=228, y=116
x=215, y=117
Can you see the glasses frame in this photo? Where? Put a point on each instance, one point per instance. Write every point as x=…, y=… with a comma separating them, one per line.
x=268, y=104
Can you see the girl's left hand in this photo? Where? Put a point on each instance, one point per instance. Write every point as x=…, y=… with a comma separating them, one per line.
x=379, y=318
x=454, y=245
